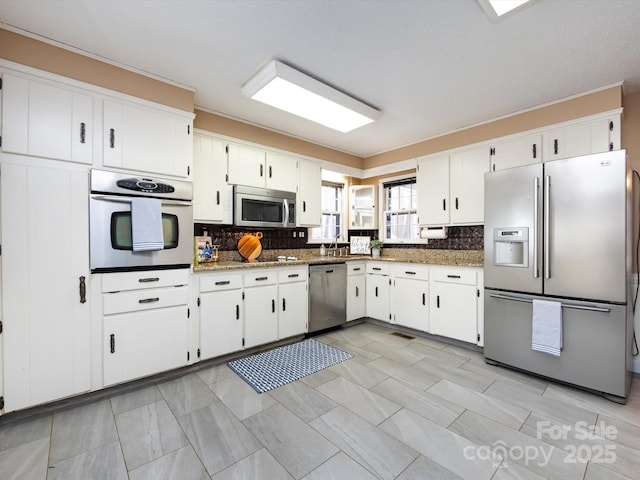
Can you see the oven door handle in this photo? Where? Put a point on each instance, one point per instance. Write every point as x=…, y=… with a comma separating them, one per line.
x=118, y=199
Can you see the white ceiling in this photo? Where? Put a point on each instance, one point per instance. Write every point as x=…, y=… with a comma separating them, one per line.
x=431, y=66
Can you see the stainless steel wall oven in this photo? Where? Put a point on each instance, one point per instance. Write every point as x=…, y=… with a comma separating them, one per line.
x=111, y=240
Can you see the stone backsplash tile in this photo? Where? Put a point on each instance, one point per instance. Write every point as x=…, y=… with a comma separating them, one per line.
x=459, y=238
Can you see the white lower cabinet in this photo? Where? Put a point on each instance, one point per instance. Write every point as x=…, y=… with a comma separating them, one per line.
x=293, y=302
x=356, y=290
x=378, y=286
x=260, y=307
x=410, y=296
x=454, y=303
x=245, y=309
x=145, y=330
x=221, y=314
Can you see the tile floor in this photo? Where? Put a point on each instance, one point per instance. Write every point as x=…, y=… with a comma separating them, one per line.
x=401, y=408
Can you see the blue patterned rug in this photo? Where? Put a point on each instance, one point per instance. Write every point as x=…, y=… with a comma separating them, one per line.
x=274, y=368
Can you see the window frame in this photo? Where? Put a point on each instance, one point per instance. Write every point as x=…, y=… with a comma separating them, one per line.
x=382, y=220
x=344, y=221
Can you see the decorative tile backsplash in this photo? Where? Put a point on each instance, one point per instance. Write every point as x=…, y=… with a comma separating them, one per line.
x=226, y=236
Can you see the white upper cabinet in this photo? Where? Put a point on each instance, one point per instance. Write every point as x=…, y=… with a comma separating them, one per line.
x=257, y=168
x=147, y=139
x=433, y=190
x=363, y=214
x=596, y=136
x=212, y=195
x=516, y=152
x=466, y=170
x=46, y=120
x=281, y=172
x=309, y=196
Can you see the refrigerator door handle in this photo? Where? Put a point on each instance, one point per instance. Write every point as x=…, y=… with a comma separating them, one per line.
x=564, y=305
x=536, y=186
x=547, y=208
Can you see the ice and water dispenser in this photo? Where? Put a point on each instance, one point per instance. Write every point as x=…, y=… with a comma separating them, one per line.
x=511, y=247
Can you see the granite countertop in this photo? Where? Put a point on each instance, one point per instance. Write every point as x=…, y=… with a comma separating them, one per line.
x=460, y=258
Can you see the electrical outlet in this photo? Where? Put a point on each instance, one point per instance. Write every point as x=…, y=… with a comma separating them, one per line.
x=294, y=234
x=301, y=234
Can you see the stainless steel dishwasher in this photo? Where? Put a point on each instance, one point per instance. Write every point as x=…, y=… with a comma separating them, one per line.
x=327, y=296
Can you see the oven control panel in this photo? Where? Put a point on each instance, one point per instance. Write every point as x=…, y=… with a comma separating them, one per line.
x=145, y=185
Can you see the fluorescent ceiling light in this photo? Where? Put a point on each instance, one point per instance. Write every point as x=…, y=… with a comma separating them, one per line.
x=497, y=8
x=285, y=88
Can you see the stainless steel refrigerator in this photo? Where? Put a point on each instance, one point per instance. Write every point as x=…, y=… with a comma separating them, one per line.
x=561, y=231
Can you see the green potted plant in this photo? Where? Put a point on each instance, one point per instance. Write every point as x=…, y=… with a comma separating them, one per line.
x=376, y=246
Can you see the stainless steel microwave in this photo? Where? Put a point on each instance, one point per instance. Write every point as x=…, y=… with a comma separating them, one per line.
x=263, y=207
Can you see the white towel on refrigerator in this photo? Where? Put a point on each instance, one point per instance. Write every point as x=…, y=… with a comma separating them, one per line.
x=547, y=327
x=146, y=224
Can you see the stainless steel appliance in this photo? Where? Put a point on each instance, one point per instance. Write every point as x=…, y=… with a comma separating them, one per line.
x=327, y=296
x=561, y=231
x=111, y=245
x=263, y=207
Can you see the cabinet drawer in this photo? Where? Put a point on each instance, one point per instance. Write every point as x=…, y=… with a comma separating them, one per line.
x=289, y=275
x=260, y=277
x=122, y=281
x=226, y=281
x=462, y=275
x=410, y=270
x=356, y=268
x=378, y=268
x=149, y=299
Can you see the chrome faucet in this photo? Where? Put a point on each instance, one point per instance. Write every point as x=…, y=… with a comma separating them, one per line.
x=335, y=244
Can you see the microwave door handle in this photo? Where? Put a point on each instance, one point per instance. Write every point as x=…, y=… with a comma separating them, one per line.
x=285, y=222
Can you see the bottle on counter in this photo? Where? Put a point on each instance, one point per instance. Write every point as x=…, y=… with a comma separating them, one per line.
x=323, y=251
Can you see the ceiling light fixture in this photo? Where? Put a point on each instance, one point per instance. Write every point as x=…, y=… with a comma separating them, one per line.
x=496, y=9
x=286, y=88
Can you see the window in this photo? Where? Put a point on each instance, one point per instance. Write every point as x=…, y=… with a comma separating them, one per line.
x=332, y=213
x=400, y=210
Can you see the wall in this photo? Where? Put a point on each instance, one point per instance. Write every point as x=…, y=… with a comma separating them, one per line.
x=33, y=53
x=596, y=102
x=212, y=122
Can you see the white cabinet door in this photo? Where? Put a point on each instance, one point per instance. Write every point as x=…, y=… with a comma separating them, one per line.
x=281, y=172
x=212, y=195
x=46, y=120
x=516, y=152
x=453, y=311
x=411, y=303
x=294, y=309
x=260, y=315
x=378, y=297
x=139, y=344
x=467, y=169
x=45, y=258
x=363, y=214
x=146, y=140
x=245, y=165
x=596, y=136
x=221, y=323
x=433, y=190
x=309, y=196
x=356, y=300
